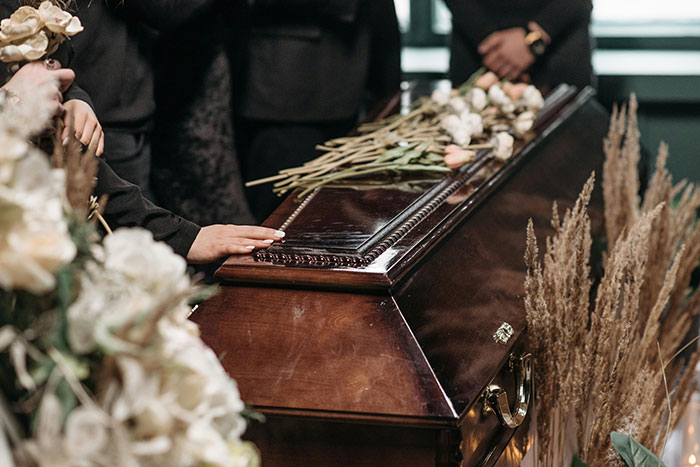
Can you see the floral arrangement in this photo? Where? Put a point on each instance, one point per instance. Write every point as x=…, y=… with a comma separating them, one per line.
x=440, y=134
x=99, y=365
x=31, y=34
x=603, y=369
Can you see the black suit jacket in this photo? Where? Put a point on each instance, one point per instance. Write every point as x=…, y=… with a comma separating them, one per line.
x=568, y=58
x=317, y=60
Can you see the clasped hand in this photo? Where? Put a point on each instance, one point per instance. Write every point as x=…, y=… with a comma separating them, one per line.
x=506, y=53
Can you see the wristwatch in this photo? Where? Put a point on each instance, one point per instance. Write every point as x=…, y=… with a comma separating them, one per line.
x=536, y=43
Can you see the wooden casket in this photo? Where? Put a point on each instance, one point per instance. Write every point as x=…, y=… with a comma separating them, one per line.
x=388, y=329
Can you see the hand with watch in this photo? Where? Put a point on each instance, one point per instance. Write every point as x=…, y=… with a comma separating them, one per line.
x=511, y=52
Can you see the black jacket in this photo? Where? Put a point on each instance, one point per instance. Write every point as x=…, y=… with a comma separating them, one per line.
x=317, y=60
x=568, y=58
x=126, y=207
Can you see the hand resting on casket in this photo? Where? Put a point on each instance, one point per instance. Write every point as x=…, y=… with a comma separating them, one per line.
x=215, y=241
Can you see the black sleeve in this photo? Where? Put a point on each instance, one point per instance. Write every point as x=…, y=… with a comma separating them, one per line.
x=76, y=92
x=126, y=207
x=342, y=11
x=471, y=21
x=558, y=17
x=164, y=14
x=384, y=74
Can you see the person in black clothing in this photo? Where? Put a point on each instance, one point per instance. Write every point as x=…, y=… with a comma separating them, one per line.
x=126, y=206
x=308, y=67
x=195, y=170
x=112, y=59
x=546, y=41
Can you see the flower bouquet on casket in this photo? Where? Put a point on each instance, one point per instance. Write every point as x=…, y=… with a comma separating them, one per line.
x=99, y=365
x=439, y=134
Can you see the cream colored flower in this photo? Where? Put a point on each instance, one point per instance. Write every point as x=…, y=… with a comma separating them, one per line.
x=531, y=98
x=477, y=99
x=441, y=98
x=523, y=123
x=59, y=21
x=503, y=146
x=24, y=22
x=34, y=238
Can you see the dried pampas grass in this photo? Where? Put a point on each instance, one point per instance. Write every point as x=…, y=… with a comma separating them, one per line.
x=600, y=367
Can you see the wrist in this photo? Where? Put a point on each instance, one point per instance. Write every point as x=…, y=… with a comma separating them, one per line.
x=536, y=42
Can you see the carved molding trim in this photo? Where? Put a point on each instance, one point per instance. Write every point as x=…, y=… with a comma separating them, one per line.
x=390, y=240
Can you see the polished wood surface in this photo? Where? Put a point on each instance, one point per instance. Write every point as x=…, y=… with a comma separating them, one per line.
x=367, y=336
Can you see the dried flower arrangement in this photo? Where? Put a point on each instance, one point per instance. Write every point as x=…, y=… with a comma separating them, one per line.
x=440, y=134
x=603, y=368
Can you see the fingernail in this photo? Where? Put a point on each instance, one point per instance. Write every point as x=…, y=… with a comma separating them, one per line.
x=280, y=234
x=268, y=241
x=250, y=248
x=65, y=141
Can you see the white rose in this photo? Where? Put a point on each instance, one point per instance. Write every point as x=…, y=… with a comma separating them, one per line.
x=34, y=47
x=451, y=123
x=472, y=122
x=477, y=99
x=532, y=98
x=24, y=22
x=151, y=265
x=523, y=123
x=457, y=105
x=497, y=96
x=59, y=21
x=34, y=237
x=441, y=98
x=503, y=146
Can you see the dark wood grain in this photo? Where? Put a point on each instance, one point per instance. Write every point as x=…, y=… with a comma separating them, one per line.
x=384, y=362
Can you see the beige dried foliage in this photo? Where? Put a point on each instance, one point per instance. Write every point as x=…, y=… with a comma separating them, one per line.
x=80, y=167
x=598, y=366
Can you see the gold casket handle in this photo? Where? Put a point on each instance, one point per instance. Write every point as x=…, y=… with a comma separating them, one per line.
x=496, y=398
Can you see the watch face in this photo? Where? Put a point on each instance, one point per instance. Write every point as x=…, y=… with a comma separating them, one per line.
x=538, y=47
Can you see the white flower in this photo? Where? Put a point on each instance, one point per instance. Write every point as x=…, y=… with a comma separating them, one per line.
x=24, y=22
x=34, y=237
x=531, y=98
x=523, y=123
x=472, y=122
x=143, y=262
x=477, y=99
x=59, y=21
x=503, y=146
x=457, y=105
x=440, y=97
x=497, y=96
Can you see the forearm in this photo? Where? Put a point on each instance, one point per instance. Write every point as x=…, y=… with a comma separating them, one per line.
x=126, y=207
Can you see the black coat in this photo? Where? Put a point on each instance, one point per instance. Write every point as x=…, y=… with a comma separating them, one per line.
x=568, y=58
x=316, y=60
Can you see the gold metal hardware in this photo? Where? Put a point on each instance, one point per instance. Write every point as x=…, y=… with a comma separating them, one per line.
x=496, y=398
x=503, y=334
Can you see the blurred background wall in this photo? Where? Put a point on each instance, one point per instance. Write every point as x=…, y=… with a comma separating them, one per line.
x=650, y=47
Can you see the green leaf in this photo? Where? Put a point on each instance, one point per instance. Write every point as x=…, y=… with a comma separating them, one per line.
x=578, y=462
x=633, y=453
